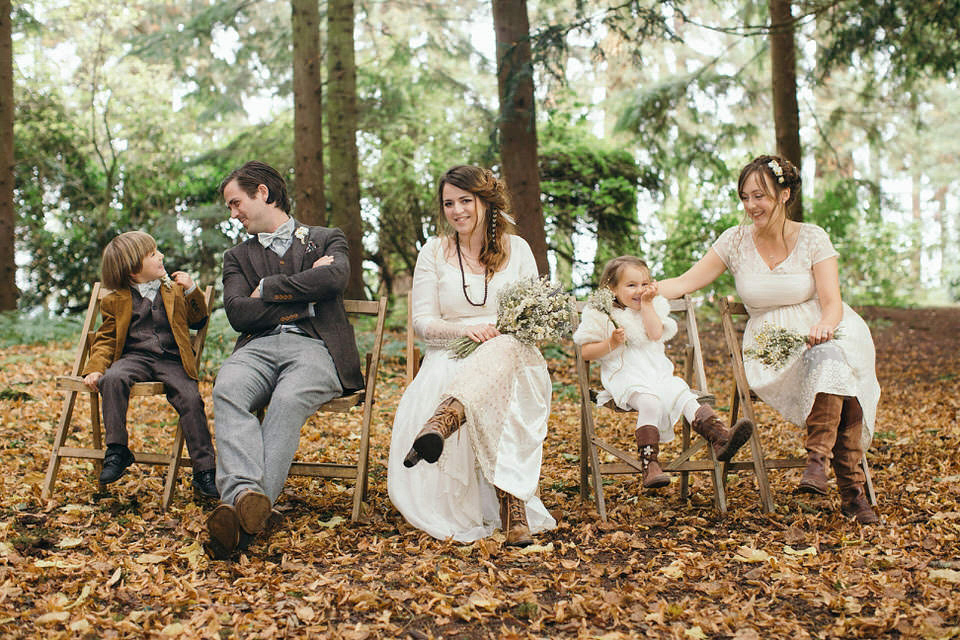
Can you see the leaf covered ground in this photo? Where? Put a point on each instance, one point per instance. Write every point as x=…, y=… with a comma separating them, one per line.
x=105, y=565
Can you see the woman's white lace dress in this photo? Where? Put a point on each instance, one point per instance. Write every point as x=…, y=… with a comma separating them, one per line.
x=640, y=365
x=786, y=296
x=505, y=389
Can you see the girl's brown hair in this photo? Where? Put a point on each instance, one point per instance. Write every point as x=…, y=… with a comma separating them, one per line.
x=492, y=192
x=123, y=257
x=610, y=277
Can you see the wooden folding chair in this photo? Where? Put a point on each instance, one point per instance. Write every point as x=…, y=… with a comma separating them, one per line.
x=365, y=398
x=743, y=397
x=72, y=385
x=693, y=372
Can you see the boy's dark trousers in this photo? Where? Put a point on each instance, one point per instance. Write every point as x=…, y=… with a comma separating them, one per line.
x=182, y=392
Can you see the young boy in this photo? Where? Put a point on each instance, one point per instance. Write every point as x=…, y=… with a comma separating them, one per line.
x=145, y=335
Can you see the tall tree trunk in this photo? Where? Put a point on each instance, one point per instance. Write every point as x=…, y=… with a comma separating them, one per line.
x=8, y=217
x=308, y=113
x=342, y=127
x=518, y=126
x=783, y=65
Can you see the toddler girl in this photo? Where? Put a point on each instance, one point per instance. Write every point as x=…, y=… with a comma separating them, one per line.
x=636, y=373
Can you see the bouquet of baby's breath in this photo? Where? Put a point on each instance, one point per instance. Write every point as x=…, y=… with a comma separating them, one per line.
x=776, y=345
x=602, y=300
x=532, y=310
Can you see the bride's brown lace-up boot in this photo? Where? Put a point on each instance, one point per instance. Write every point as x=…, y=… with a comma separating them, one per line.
x=429, y=442
x=513, y=520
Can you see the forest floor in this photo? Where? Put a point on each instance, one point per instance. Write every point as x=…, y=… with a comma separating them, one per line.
x=112, y=564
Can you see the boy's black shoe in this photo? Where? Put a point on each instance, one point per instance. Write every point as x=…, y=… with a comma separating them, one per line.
x=115, y=463
x=205, y=482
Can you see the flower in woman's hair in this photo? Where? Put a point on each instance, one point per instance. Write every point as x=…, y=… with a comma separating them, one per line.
x=774, y=346
x=532, y=310
x=303, y=235
x=777, y=170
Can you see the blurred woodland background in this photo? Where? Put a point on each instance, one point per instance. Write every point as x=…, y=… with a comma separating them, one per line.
x=619, y=125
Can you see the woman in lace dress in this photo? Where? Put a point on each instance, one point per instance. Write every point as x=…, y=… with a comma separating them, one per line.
x=786, y=274
x=468, y=434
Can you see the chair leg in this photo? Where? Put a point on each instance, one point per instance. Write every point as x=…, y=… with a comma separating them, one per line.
x=170, y=485
x=584, y=456
x=868, y=482
x=760, y=470
x=360, y=486
x=63, y=428
x=96, y=430
x=685, y=475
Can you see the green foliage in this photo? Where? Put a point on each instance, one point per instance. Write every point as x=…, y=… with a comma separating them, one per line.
x=21, y=328
x=913, y=38
x=872, y=259
x=588, y=189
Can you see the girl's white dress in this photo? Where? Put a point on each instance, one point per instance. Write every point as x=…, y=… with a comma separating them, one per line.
x=505, y=389
x=786, y=296
x=640, y=365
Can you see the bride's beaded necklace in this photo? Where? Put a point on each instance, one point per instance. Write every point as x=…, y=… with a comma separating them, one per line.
x=463, y=276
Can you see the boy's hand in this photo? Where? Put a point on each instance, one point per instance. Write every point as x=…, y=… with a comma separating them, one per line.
x=649, y=291
x=183, y=279
x=618, y=337
x=92, y=380
x=323, y=260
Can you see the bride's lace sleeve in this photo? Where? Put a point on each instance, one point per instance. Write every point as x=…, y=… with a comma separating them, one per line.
x=427, y=322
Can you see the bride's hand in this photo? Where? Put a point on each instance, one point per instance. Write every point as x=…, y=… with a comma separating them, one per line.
x=482, y=332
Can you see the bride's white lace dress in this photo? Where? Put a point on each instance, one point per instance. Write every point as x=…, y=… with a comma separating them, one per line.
x=786, y=296
x=505, y=389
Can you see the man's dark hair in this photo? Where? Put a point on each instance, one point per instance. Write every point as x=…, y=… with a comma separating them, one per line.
x=253, y=174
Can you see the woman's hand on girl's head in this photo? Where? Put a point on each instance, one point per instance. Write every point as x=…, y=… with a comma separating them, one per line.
x=820, y=333
x=482, y=332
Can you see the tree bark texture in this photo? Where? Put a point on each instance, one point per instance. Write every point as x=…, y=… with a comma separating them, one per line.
x=786, y=112
x=518, y=126
x=311, y=202
x=8, y=216
x=342, y=127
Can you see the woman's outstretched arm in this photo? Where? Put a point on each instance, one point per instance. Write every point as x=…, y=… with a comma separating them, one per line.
x=706, y=270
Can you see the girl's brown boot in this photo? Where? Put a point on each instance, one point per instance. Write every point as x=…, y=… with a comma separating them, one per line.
x=648, y=444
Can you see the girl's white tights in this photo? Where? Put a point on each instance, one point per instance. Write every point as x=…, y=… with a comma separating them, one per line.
x=649, y=409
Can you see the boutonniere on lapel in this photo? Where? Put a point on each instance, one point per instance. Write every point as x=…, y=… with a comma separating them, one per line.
x=166, y=281
x=303, y=235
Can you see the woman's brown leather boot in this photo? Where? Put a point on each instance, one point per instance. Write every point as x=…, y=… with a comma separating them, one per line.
x=429, y=442
x=648, y=444
x=822, y=424
x=847, y=453
x=513, y=520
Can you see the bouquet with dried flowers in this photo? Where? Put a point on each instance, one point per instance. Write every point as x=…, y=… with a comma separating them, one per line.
x=532, y=310
x=602, y=300
x=774, y=346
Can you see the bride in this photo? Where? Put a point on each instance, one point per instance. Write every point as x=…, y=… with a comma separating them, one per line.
x=468, y=434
